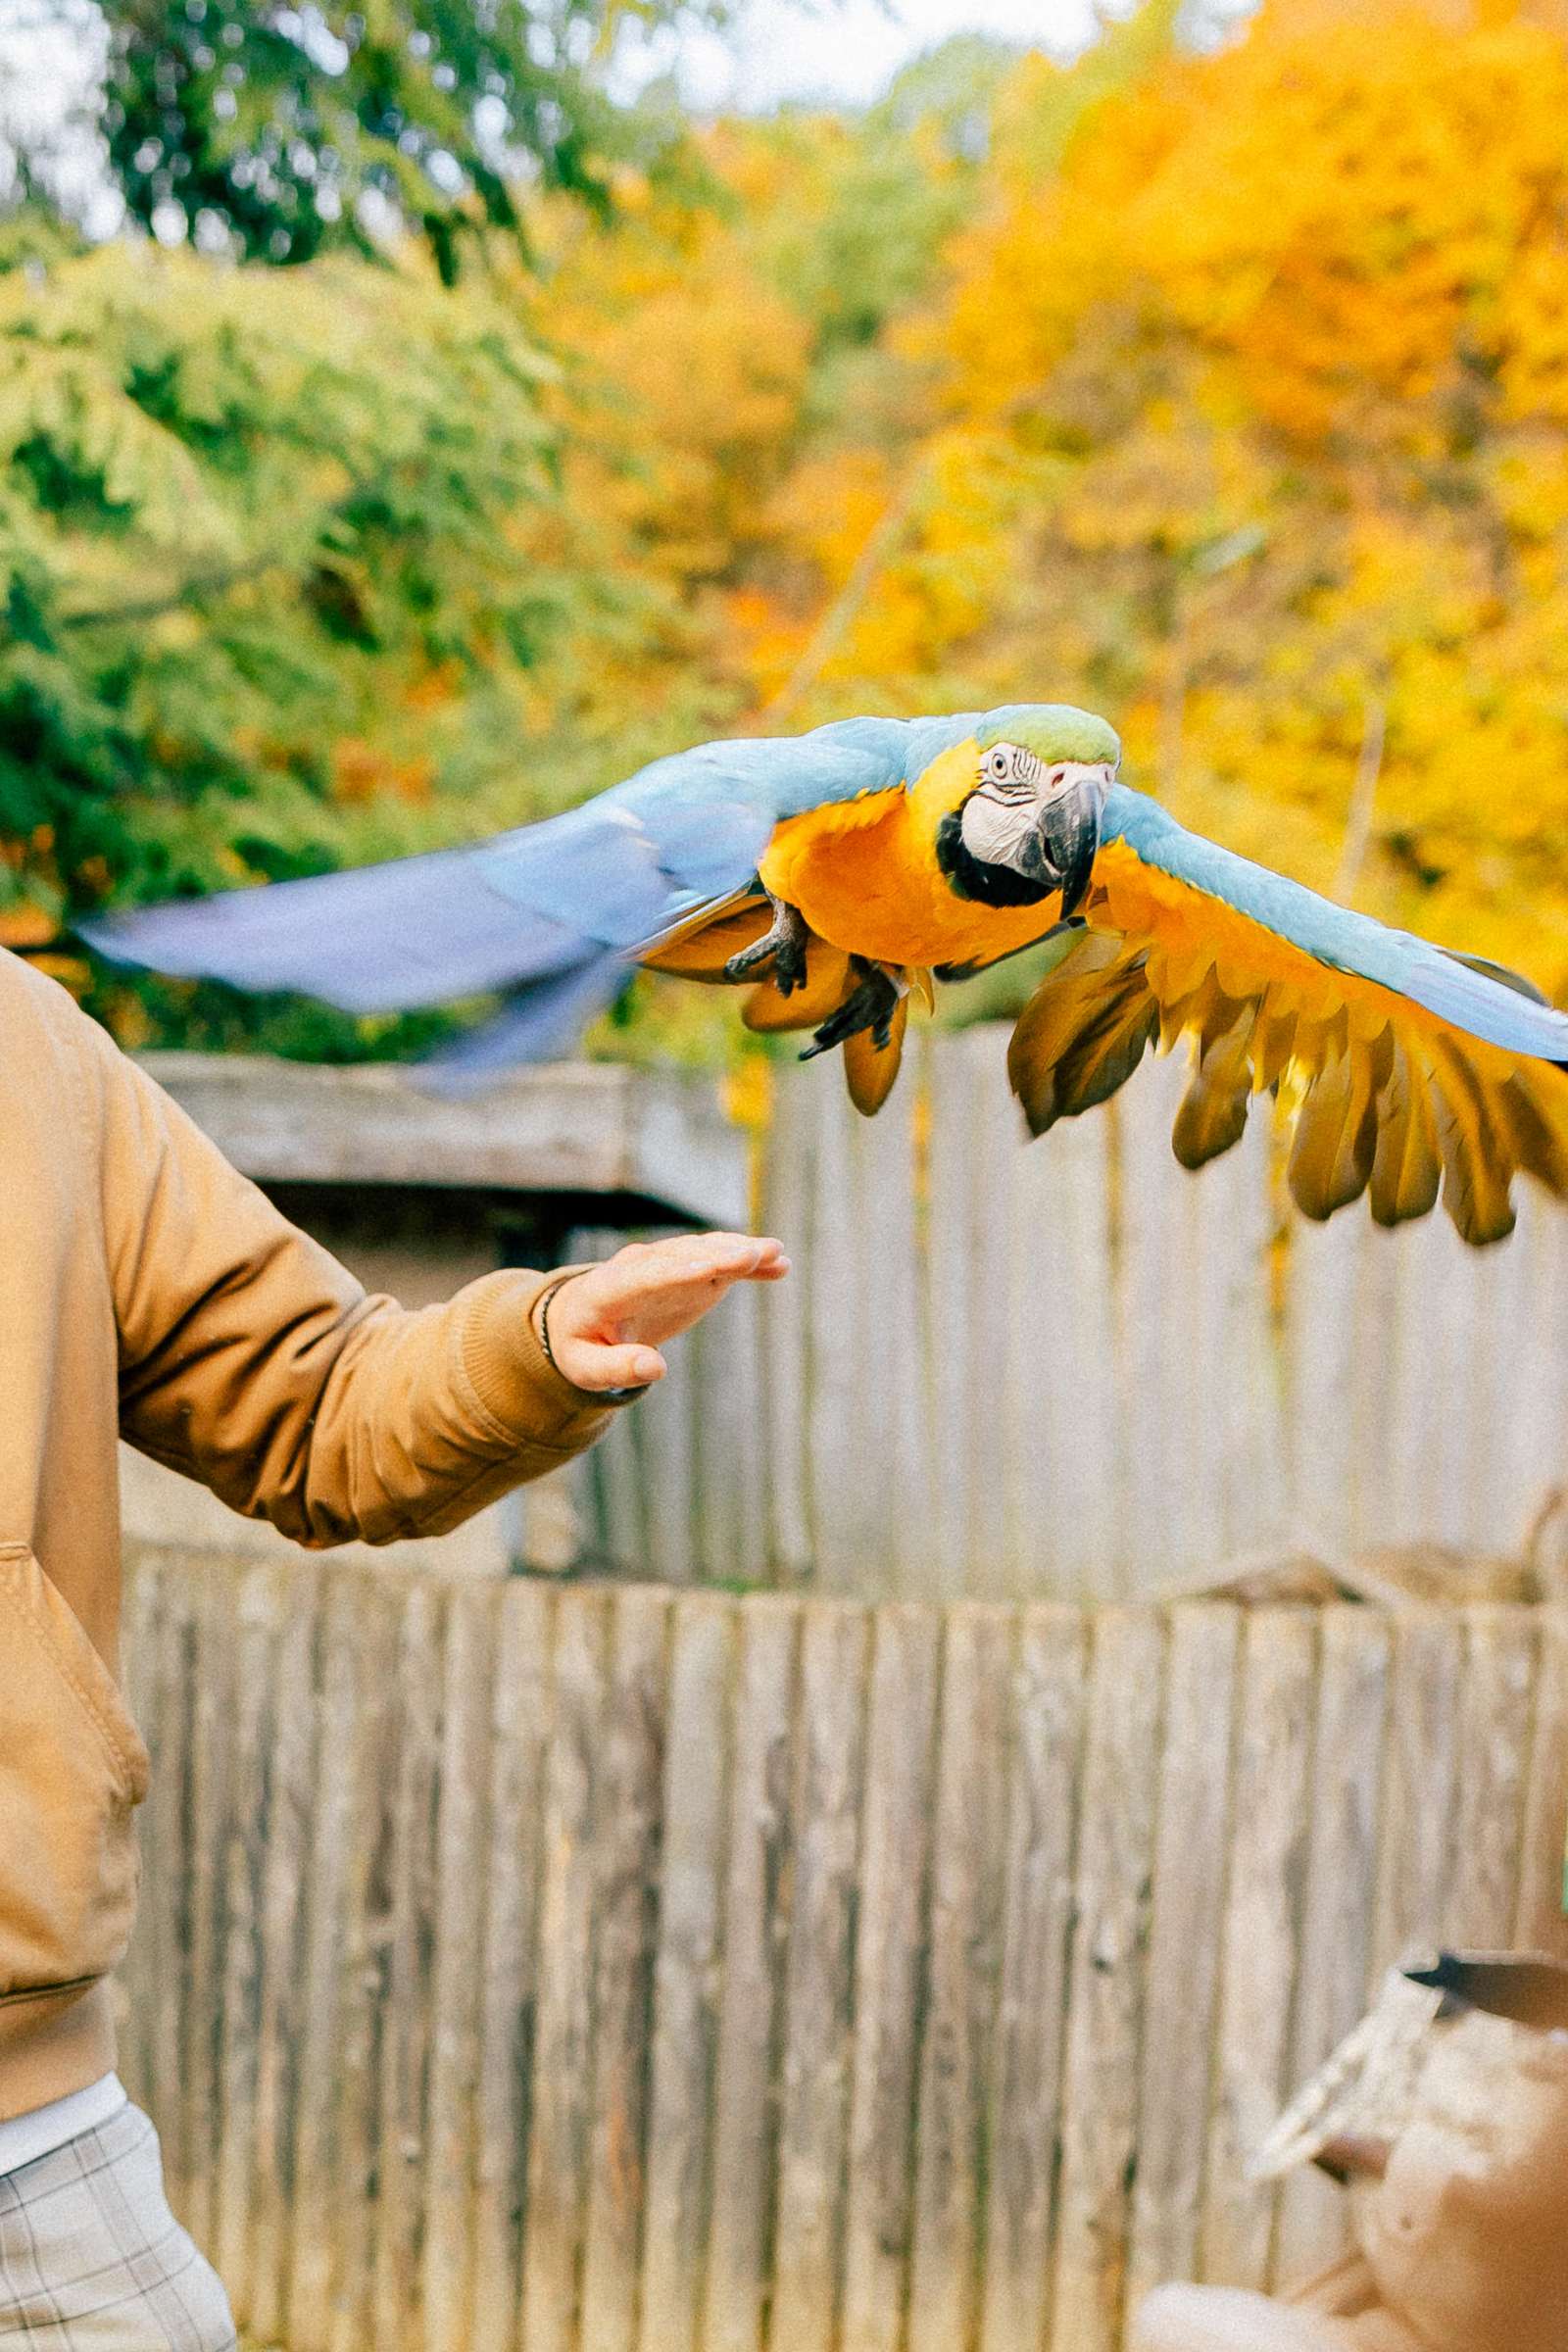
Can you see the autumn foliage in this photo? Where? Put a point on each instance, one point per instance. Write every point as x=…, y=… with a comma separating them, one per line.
x=1226, y=393
x=1246, y=424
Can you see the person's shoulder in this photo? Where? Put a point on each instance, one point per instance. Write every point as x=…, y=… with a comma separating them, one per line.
x=35, y=1006
x=25, y=990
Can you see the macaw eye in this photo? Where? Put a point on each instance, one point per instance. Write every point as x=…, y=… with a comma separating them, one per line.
x=1009, y=769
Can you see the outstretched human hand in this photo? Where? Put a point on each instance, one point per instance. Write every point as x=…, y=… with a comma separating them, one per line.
x=606, y=1324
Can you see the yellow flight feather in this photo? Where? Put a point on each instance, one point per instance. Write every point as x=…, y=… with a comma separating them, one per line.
x=1384, y=1097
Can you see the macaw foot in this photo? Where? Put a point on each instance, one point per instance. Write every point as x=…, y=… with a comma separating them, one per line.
x=783, y=946
x=871, y=1006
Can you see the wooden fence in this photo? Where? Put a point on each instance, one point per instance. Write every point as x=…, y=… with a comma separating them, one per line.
x=612, y=1970
x=1072, y=1370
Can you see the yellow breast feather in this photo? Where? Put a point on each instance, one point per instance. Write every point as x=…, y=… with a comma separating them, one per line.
x=864, y=875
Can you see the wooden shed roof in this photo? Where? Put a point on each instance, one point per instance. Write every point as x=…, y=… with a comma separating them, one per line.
x=592, y=1128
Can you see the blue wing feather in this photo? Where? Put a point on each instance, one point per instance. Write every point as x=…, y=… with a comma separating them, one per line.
x=521, y=911
x=1336, y=936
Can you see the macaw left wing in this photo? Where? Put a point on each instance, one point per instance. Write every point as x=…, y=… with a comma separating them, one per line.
x=1407, y=1068
x=548, y=915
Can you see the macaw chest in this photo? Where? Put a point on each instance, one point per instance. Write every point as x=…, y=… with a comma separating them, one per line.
x=866, y=882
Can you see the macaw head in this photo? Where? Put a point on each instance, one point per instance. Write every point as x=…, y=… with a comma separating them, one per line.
x=1018, y=807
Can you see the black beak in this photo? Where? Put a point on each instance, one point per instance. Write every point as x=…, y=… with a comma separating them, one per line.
x=1061, y=850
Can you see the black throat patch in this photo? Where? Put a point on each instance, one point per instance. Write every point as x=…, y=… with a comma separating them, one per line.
x=972, y=878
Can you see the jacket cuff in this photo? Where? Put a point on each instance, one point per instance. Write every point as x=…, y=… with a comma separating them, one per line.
x=515, y=1387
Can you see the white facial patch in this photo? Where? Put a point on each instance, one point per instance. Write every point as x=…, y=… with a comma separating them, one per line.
x=1014, y=786
x=995, y=831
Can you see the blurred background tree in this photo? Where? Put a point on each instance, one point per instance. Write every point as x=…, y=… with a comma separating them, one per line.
x=1221, y=385
x=262, y=583
x=278, y=133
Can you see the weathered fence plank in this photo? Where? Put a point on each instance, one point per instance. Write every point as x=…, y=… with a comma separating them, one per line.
x=1494, y=1733
x=1261, y=1936
x=409, y=2024
x=216, y=1658
x=1105, y=1982
x=1155, y=1456
x=1191, y=1850
x=365, y=1752
x=686, y=1977
x=785, y=1368
x=1038, y=1865
x=457, y=1970
x=1417, y=1813
x=896, y=1464
x=141, y=1644
x=757, y=1864
x=889, y=1973
x=1540, y=1906
x=168, y=1888
x=619, y=1968
x=956, y=2092
x=844, y=1526
x=282, y=2018
x=956, y=1296
x=561, y=2130
x=252, y=1733
x=626, y=1829
x=1334, y=1973
x=814, y=2075
x=522, y=1726
x=345, y=1708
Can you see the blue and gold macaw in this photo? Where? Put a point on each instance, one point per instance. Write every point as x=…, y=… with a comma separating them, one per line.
x=836, y=873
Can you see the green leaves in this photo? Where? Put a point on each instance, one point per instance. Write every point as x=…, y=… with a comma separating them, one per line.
x=285, y=131
x=260, y=587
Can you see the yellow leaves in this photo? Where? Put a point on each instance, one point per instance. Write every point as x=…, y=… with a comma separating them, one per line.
x=130, y=1021
x=748, y=1092
x=761, y=641
x=829, y=506
x=435, y=688
x=1528, y=482
x=1334, y=210
x=687, y=371
x=1531, y=328
x=69, y=971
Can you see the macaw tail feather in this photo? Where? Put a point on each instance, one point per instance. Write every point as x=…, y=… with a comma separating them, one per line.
x=536, y=1023
x=870, y=1069
x=375, y=939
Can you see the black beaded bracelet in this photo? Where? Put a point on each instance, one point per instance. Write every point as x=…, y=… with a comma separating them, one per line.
x=599, y=1395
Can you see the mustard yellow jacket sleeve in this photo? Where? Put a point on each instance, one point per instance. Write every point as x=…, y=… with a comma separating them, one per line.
x=250, y=1359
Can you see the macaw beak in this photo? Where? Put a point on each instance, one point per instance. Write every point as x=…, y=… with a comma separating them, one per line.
x=1064, y=842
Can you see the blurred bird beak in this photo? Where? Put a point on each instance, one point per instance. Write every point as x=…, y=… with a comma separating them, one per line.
x=1064, y=842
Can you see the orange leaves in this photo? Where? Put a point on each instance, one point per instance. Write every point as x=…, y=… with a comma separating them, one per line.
x=1347, y=214
x=687, y=375
x=26, y=926
x=361, y=772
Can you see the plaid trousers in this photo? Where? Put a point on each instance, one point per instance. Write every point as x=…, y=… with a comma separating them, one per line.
x=91, y=2259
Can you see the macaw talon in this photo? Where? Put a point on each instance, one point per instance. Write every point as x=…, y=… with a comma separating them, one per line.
x=783, y=945
x=872, y=1005
x=1352, y=2156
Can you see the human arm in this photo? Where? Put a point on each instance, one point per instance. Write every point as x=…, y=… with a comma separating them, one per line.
x=252, y=1360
